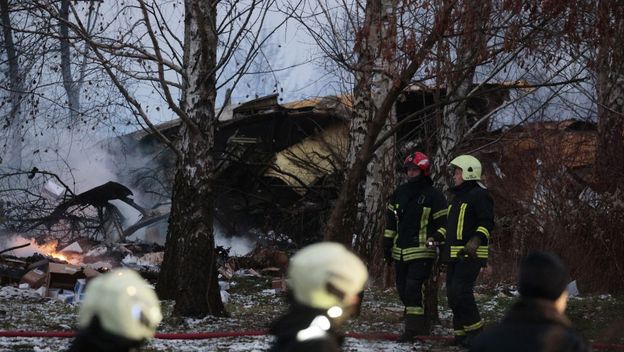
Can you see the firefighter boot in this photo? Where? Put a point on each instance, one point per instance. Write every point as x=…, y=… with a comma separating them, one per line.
x=415, y=325
x=470, y=337
x=458, y=339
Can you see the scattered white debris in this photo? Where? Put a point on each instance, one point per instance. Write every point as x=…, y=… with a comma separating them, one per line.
x=225, y=296
x=96, y=251
x=72, y=248
x=99, y=265
x=14, y=292
x=247, y=272
x=130, y=259
x=52, y=191
x=155, y=258
x=573, y=289
x=267, y=292
x=497, y=170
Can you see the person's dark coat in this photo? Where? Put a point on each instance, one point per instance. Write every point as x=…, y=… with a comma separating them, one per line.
x=531, y=325
x=95, y=339
x=298, y=318
x=470, y=214
x=416, y=211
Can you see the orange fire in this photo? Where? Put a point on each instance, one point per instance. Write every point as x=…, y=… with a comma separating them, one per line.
x=49, y=249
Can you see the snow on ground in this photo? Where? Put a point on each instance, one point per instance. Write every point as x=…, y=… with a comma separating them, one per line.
x=252, y=306
x=259, y=343
x=251, y=309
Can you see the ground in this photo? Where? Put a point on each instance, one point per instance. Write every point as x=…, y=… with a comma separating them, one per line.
x=253, y=304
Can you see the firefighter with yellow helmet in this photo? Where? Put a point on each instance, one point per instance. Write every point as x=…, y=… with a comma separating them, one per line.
x=325, y=282
x=119, y=313
x=470, y=223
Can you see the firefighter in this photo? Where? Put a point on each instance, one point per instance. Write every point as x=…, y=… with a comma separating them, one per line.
x=416, y=216
x=469, y=226
x=536, y=322
x=120, y=312
x=325, y=283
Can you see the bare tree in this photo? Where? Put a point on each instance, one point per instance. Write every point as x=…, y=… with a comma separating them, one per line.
x=187, y=74
x=376, y=51
x=446, y=43
x=343, y=220
x=13, y=120
x=609, y=66
x=471, y=49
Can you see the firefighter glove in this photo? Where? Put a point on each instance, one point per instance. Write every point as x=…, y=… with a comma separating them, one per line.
x=388, y=255
x=434, y=240
x=387, y=249
x=431, y=242
x=470, y=250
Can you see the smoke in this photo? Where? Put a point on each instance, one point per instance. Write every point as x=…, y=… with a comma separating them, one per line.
x=85, y=163
x=13, y=241
x=239, y=245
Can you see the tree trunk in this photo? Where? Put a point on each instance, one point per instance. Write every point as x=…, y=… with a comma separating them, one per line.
x=342, y=221
x=374, y=80
x=13, y=144
x=454, y=124
x=189, y=272
x=71, y=87
x=610, y=90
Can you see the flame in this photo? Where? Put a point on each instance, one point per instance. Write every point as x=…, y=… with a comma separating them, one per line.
x=49, y=249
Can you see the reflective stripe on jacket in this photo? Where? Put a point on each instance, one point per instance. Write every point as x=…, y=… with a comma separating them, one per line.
x=416, y=211
x=471, y=213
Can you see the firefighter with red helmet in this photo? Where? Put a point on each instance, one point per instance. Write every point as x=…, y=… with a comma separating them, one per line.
x=416, y=216
x=468, y=231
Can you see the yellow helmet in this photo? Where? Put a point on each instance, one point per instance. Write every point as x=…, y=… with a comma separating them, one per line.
x=471, y=167
x=325, y=275
x=124, y=303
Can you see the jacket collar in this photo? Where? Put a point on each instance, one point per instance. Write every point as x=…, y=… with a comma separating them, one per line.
x=536, y=310
x=420, y=181
x=464, y=187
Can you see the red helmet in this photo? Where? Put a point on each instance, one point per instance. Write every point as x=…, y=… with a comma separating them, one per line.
x=418, y=159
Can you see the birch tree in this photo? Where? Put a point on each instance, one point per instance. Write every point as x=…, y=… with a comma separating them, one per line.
x=376, y=59
x=380, y=78
x=471, y=49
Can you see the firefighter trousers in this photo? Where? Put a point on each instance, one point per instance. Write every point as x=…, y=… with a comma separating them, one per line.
x=460, y=281
x=410, y=279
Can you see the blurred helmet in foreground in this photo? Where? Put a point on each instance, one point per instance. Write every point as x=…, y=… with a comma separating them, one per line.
x=325, y=275
x=124, y=303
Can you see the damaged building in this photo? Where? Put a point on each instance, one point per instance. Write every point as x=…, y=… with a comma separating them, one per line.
x=279, y=165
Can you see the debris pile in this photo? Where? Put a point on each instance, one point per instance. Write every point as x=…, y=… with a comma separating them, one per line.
x=63, y=273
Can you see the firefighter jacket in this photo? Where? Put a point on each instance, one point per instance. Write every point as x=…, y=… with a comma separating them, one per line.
x=531, y=325
x=416, y=211
x=471, y=213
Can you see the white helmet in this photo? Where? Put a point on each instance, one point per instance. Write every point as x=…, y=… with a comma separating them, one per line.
x=470, y=166
x=325, y=275
x=124, y=303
